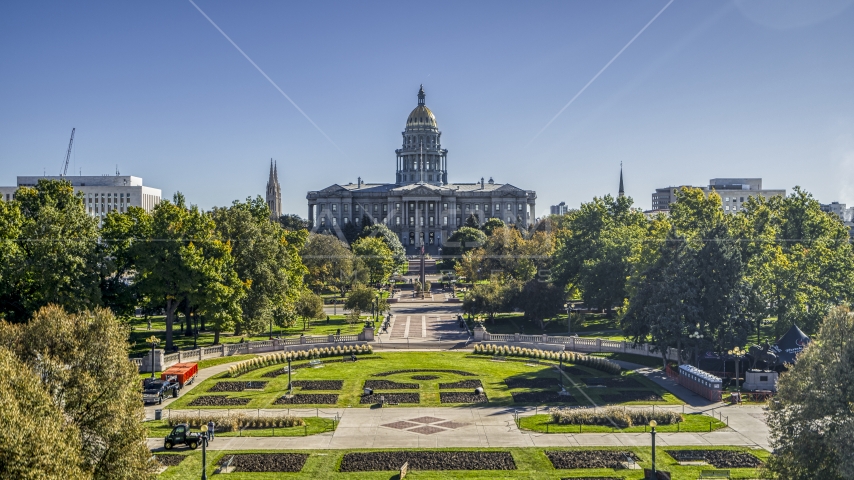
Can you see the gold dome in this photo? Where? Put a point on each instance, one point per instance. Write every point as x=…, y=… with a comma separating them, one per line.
x=421, y=116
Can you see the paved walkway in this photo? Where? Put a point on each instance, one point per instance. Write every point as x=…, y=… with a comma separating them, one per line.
x=483, y=427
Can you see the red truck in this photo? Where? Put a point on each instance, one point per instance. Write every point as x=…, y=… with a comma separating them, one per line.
x=183, y=373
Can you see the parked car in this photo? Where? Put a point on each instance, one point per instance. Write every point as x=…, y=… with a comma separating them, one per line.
x=153, y=391
x=181, y=435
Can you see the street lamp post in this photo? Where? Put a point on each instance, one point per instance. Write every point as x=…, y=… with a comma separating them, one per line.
x=203, y=438
x=653, y=424
x=154, y=341
x=697, y=336
x=736, y=353
x=290, y=385
x=568, y=324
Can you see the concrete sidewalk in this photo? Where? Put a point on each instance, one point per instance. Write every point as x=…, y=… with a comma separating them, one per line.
x=485, y=427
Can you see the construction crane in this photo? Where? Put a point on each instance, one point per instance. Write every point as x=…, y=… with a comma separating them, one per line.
x=67, y=155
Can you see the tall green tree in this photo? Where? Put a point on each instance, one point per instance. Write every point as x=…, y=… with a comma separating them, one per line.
x=377, y=258
x=37, y=443
x=391, y=241
x=82, y=363
x=596, y=249
x=266, y=261
x=463, y=240
x=309, y=306
x=799, y=259
x=169, y=255
x=293, y=222
x=666, y=307
x=811, y=418
x=329, y=262
x=54, y=258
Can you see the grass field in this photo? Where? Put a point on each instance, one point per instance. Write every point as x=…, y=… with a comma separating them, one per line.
x=313, y=425
x=531, y=463
x=140, y=332
x=692, y=423
x=491, y=374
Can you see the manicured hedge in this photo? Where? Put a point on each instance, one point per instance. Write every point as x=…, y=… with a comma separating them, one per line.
x=283, y=357
x=598, y=363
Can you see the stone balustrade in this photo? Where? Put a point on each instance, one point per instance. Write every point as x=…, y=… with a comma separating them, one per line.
x=575, y=344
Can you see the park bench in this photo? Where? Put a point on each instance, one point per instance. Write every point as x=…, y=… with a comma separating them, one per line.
x=348, y=358
x=714, y=474
x=499, y=358
x=315, y=363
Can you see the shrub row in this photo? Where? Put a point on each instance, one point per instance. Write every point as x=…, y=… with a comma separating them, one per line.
x=282, y=357
x=598, y=363
x=608, y=416
x=235, y=421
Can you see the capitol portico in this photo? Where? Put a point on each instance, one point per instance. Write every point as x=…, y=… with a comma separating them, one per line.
x=421, y=207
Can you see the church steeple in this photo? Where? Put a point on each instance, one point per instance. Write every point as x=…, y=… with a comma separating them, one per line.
x=274, y=192
x=622, y=192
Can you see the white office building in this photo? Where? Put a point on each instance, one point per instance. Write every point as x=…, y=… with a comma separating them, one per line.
x=100, y=194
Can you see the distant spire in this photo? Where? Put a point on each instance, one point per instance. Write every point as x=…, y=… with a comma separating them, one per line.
x=421, y=95
x=622, y=192
x=271, y=170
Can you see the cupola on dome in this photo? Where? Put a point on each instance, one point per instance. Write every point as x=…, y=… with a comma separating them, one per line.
x=421, y=116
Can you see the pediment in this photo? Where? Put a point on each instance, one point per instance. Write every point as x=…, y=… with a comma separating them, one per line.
x=334, y=190
x=421, y=191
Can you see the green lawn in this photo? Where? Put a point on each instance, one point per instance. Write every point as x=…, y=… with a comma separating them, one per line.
x=692, y=423
x=313, y=425
x=531, y=463
x=491, y=374
x=212, y=362
x=140, y=332
x=653, y=362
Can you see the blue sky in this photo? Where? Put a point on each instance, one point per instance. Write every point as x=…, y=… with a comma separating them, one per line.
x=710, y=89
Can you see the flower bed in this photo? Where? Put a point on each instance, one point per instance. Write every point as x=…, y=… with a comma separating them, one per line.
x=426, y=460
x=308, y=399
x=283, y=357
x=461, y=384
x=389, y=385
x=563, y=459
x=514, y=382
x=717, y=458
x=462, y=397
x=234, y=421
x=541, y=397
x=598, y=363
x=318, y=384
x=631, y=396
x=611, y=416
x=218, y=401
x=265, y=462
x=425, y=377
x=169, y=460
x=416, y=370
x=237, y=386
x=614, y=382
x=391, y=398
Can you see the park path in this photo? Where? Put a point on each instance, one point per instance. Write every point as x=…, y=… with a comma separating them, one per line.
x=480, y=427
x=435, y=427
x=203, y=375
